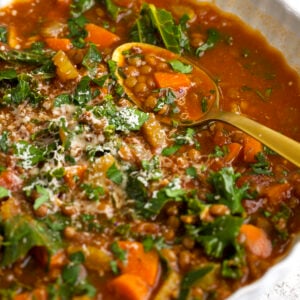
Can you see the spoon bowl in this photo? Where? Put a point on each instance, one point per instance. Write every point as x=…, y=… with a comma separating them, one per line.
x=196, y=102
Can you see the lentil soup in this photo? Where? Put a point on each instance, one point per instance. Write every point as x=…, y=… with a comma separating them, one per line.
x=102, y=200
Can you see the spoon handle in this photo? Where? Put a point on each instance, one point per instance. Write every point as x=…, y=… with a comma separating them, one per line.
x=284, y=146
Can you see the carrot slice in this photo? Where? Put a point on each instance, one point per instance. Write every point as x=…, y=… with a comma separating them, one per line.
x=58, y=44
x=10, y=180
x=100, y=36
x=140, y=263
x=277, y=193
x=129, y=287
x=171, y=80
x=234, y=150
x=37, y=294
x=256, y=240
x=251, y=148
x=74, y=174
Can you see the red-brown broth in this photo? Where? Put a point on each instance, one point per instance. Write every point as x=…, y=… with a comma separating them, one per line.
x=253, y=78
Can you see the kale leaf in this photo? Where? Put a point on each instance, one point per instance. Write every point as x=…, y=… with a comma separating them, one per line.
x=225, y=190
x=172, y=192
x=213, y=36
x=220, y=236
x=92, y=59
x=21, y=90
x=112, y=9
x=4, y=192
x=77, y=31
x=191, y=278
x=3, y=34
x=28, y=56
x=181, y=67
x=21, y=233
x=83, y=93
x=156, y=26
x=4, y=142
x=114, y=174
x=78, y=7
x=262, y=166
x=8, y=74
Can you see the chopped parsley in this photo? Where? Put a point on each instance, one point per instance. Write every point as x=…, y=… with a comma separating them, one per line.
x=92, y=59
x=213, y=37
x=114, y=174
x=226, y=190
x=262, y=166
x=4, y=192
x=77, y=31
x=181, y=67
x=42, y=198
x=4, y=146
x=3, y=34
x=93, y=192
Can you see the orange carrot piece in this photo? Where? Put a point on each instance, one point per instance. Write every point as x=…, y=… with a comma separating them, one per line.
x=58, y=260
x=100, y=36
x=59, y=44
x=140, y=263
x=10, y=180
x=123, y=3
x=129, y=287
x=251, y=148
x=37, y=294
x=234, y=150
x=73, y=174
x=171, y=80
x=256, y=240
x=278, y=192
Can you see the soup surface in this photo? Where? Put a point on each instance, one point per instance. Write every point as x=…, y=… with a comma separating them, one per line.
x=100, y=199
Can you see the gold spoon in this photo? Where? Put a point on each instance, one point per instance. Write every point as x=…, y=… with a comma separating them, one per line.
x=284, y=146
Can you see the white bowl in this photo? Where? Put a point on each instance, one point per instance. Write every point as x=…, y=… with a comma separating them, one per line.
x=279, y=22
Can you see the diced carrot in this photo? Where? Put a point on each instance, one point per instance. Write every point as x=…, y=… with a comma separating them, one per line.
x=9, y=208
x=103, y=163
x=74, y=174
x=63, y=2
x=100, y=36
x=37, y=294
x=13, y=40
x=59, y=44
x=126, y=153
x=129, y=287
x=278, y=192
x=234, y=150
x=47, y=261
x=140, y=263
x=10, y=181
x=123, y=3
x=251, y=148
x=58, y=260
x=171, y=80
x=256, y=240
x=23, y=296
